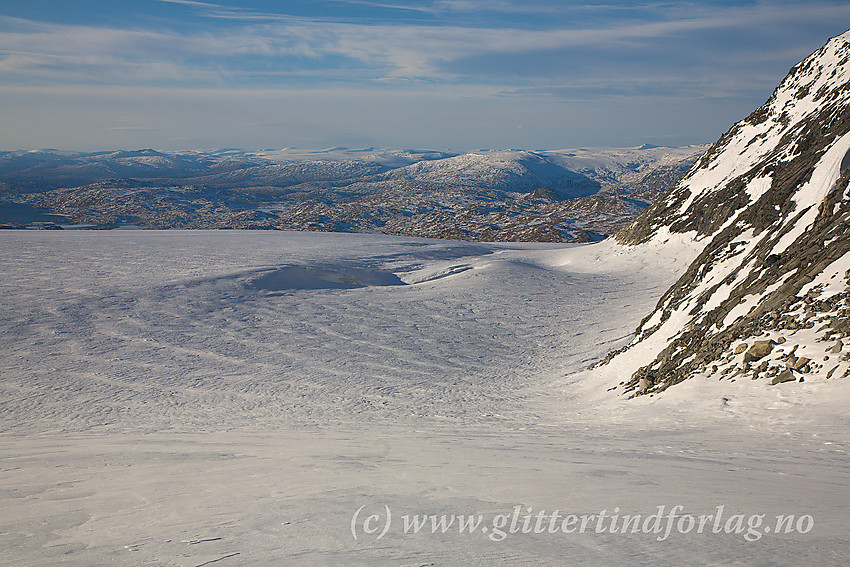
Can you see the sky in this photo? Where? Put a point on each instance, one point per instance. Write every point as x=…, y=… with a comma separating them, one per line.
x=439, y=74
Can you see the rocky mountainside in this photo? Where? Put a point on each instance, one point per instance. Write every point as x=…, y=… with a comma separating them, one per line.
x=559, y=196
x=765, y=213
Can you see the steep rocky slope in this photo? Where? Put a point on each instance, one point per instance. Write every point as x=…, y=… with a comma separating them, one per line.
x=767, y=212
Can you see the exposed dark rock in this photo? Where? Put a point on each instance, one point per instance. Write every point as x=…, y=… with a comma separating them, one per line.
x=784, y=376
x=759, y=350
x=769, y=226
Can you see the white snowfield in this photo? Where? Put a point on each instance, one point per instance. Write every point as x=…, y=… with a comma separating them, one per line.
x=272, y=398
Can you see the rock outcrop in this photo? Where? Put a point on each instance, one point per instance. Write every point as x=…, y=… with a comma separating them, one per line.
x=768, y=207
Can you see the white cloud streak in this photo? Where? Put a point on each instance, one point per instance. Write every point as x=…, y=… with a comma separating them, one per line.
x=45, y=53
x=260, y=80
x=194, y=3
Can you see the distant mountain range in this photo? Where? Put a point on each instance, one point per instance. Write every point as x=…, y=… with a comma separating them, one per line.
x=514, y=195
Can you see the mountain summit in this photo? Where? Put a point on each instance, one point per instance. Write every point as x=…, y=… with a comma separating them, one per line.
x=766, y=213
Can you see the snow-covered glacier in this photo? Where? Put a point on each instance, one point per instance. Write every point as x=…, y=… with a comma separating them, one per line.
x=245, y=398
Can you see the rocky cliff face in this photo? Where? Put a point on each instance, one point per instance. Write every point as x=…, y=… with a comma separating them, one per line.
x=768, y=211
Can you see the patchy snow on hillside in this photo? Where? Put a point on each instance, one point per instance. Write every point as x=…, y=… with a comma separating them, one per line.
x=242, y=398
x=767, y=209
x=509, y=195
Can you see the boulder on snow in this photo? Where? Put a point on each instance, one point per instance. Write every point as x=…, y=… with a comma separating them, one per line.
x=784, y=376
x=759, y=350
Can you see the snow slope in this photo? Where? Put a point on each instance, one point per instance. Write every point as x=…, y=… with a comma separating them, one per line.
x=767, y=210
x=234, y=398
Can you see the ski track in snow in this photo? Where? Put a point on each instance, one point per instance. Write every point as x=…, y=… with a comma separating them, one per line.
x=232, y=398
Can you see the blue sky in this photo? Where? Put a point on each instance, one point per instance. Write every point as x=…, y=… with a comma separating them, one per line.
x=443, y=74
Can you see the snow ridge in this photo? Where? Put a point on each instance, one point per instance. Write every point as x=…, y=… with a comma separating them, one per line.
x=767, y=209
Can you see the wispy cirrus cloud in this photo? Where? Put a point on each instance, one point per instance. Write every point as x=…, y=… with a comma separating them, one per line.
x=60, y=52
x=527, y=55
x=287, y=44
x=193, y=3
